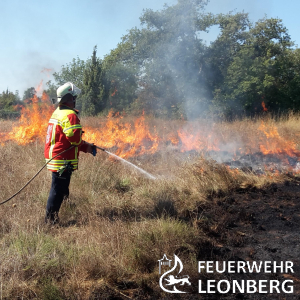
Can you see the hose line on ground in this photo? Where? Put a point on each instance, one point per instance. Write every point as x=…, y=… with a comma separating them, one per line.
x=35, y=175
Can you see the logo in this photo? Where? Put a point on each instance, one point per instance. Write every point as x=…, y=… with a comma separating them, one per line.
x=49, y=133
x=171, y=280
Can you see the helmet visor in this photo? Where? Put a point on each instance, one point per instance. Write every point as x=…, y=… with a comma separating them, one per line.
x=76, y=91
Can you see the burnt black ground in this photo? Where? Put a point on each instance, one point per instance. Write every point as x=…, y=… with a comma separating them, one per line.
x=247, y=224
x=254, y=224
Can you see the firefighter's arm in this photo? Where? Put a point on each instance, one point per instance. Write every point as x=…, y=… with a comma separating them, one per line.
x=73, y=132
x=88, y=148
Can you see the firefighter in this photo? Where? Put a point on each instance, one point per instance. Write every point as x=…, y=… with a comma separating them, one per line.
x=64, y=132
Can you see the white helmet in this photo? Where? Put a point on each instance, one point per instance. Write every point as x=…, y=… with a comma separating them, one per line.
x=67, y=88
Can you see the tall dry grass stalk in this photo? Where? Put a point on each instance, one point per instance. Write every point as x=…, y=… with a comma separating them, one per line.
x=116, y=224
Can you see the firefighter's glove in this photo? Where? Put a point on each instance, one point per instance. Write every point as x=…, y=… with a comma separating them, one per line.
x=91, y=148
x=61, y=170
x=68, y=168
x=94, y=150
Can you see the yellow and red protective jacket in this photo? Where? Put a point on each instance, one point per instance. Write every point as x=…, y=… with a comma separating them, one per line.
x=64, y=130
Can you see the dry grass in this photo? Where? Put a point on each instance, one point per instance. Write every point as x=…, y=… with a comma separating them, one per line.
x=116, y=223
x=6, y=125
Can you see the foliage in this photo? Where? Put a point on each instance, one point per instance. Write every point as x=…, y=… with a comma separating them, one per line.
x=166, y=54
x=8, y=114
x=259, y=70
x=93, y=89
x=164, y=68
x=51, y=90
x=122, y=84
x=10, y=104
x=72, y=71
x=29, y=93
x=218, y=57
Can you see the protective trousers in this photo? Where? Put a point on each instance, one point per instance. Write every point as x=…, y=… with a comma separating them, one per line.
x=59, y=190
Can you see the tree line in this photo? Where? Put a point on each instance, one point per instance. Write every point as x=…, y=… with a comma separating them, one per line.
x=166, y=69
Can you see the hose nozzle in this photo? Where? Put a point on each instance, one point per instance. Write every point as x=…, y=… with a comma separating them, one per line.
x=100, y=148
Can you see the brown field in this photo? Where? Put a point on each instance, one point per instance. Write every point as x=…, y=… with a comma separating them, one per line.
x=117, y=223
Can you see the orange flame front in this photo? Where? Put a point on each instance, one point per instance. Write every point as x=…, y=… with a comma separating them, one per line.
x=191, y=138
x=130, y=139
x=272, y=143
x=33, y=122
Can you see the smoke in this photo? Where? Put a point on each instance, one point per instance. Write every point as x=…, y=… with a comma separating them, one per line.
x=188, y=74
x=36, y=68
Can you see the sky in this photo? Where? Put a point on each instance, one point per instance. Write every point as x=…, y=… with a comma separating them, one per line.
x=39, y=36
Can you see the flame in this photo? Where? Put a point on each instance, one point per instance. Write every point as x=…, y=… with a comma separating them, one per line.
x=136, y=138
x=174, y=138
x=114, y=92
x=45, y=98
x=191, y=138
x=128, y=139
x=264, y=106
x=32, y=123
x=47, y=71
x=234, y=172
x=39, y=88
x=272, y=143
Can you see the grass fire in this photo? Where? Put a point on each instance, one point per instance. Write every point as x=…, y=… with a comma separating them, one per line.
x=218, y=187
x=187, y=183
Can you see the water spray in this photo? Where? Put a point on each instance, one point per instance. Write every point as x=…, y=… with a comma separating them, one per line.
x=127, y=162
x=112, y=154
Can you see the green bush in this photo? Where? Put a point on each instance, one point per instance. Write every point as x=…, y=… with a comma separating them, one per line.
x=6, y=114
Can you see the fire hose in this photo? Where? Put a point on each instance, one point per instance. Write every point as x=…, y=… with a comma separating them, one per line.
x=141, y=170
x=14, y=195
x=19, y=191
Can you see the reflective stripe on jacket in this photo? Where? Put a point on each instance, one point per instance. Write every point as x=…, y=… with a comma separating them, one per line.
x=64, y=130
